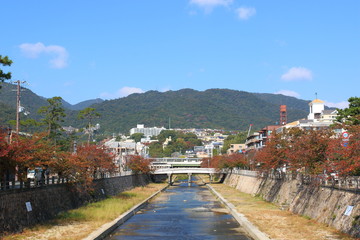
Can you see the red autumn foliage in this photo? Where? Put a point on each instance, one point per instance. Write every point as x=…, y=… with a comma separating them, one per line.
x=89, y=162
x=345, y=159
x=312, y=152
x=307, y=151
x=28, y=152
x=237, y=160
x=38, y=151
x=273, y=156
x=138, y=164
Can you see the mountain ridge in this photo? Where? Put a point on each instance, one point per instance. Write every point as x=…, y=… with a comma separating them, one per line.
x=185, y=108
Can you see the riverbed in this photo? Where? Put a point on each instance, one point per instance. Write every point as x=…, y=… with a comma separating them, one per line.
x=182, y=212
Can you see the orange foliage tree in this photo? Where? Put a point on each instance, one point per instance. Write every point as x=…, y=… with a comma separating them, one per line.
x=273, y=156
x=139, y=164
x=29, y=152
x=219, y=162
x=307, y=150
x=90, y=162
x=344, y=156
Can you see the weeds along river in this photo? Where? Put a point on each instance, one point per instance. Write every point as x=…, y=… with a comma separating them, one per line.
x=182, y=212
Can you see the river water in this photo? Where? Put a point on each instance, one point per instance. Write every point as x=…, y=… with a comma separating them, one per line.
x=182, y=212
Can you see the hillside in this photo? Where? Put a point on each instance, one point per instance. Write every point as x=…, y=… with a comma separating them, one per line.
x=31, y=103
x=186, y=108
x=29, y=100
x=85, y=104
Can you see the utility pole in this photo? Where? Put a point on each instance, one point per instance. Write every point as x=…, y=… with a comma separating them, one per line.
x=18, y=90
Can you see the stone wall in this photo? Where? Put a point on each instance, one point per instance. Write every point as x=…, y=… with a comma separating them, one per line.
x=47, y=202
x=326, y=205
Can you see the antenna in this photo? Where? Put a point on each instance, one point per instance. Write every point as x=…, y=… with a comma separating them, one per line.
x=316, y=95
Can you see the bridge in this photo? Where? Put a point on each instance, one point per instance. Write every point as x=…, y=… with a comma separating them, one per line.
x=189, y=171
x=185, y=171
x=158, y=163
x=172, y=166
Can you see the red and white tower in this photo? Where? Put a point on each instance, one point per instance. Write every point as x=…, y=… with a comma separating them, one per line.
x=283, y=115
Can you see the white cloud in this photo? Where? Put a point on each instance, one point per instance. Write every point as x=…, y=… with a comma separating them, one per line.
x=122, y=92
x=342, y=105
x=245, y=13
x=297, y=73
x=288, y=93
x=58, y=53
x=208, y=5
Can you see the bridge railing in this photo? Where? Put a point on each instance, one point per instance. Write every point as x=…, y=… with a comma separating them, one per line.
x=171, y=160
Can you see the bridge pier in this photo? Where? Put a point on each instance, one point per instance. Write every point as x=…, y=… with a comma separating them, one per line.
x=211, y=177
x=169, y=178
x=189, y=179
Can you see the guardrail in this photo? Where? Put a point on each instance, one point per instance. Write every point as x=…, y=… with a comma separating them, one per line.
x=51, y=180
x=172, y=160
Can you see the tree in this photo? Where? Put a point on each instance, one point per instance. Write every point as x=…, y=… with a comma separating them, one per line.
x=156, y=150
x=29, y=152
x=139, y=164
x=89, y=114
x=54, y=113
x=307, y=150
x=5, y=61
x=90, y=162
x=273, y=156
x=350, y=115
x=345, y=159
x=233, y=139
x=165, y=134
x=219, y=162
x=6, y=164
x=137, y=136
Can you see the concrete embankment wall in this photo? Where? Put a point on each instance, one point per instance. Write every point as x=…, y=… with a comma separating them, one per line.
x=47, y=202
x=325, y=205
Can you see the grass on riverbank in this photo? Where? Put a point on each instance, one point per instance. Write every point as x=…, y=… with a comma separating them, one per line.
x=79, y=223
x=276, y=223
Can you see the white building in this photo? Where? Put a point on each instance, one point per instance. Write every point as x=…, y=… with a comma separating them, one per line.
x=316, y=108
x=123, y=149
x=318, y=117
x=148, y=132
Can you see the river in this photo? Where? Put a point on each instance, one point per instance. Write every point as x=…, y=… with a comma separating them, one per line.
x=182, y=212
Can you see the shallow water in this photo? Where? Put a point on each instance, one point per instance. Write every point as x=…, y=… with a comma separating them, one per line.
x=182, y=212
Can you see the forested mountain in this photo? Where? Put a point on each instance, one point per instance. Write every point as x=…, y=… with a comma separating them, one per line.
x=29, y=100
x=85, y=104
x=186, y=108
x=31, y=103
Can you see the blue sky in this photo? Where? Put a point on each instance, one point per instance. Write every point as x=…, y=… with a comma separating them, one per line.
x=82, y=50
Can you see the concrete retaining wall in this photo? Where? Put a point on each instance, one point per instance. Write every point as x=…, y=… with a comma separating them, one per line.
x=48, y=201
x=326, y=205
